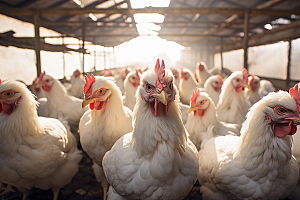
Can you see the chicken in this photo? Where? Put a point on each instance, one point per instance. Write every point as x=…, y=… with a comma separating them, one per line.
x=156, y=160
x=35, y=151
x=119, y=79
x=202, y=115
x=258, y=164
x=187, y=84
x=38, y=92
x=233, y=105
x=59, y=102
x=202, y=73
x=266, y=87
x=295, y=194
x=77, y=83
x=212, y=87
x=176, y=75
x=105, y=122
x=131, y=84
x=251, y=93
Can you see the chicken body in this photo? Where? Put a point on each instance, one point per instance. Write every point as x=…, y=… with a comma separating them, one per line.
x=107, y=121
x=266, y=87
x=131, y=84
x=212, y=87
x=202, y=73
x=233, y=105
x=259, y=163
x=59, y=102
x=187, y=84
x=156, y=160
x=203, y=115
x=77, y=83
x=35, y=151
x=251, y=93
x=296, y=153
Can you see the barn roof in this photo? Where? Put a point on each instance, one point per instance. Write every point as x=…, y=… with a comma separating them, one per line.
x=188, y=22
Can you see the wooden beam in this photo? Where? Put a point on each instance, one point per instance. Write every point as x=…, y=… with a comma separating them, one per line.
x=245, y=39
x=78, y=11
x=37, y=42
x=135, y=35
x=288, y=67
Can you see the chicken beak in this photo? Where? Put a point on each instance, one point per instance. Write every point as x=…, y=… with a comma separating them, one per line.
x=192, y=108
x=162, y=97
x=295, y=120
x=38, y=85
x=87, y=101
x=245, y=85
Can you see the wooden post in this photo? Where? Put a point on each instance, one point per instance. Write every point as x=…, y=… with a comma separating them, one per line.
x=245, y=41
x=63, y=57
x=221, y=54
x=95, y=58
x=37, y=42
x=288, y=68
x=83, y=40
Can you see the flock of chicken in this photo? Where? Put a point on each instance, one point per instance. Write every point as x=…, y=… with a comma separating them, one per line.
x=152, y=133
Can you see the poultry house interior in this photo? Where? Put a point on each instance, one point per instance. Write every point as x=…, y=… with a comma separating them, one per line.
x=143, y=99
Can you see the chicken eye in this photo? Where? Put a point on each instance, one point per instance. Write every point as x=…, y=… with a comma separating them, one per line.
x=133, y=78
x=8, y=93
x=47, y=80
x=102, y=91
x=171, y=86
x=237, y=80
x=202, y=102
x=148, y=87
x=281, y=110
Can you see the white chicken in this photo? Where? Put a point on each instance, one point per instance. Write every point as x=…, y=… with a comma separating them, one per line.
x=202, y=73
x=131, y=84
x=37, y=91
x=295, y=194
x=77, y=83
x=266, y=87
x=35, y=151
x=105, y=122
x=251, y=93
x=258, y=164
x=176, y=75
x=59, y=102
x=233, y=105
x=156, y=160
x=202, y=116
x=212, y=87
x=187, y=84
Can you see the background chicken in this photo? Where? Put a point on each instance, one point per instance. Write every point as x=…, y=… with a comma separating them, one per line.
x=60, y=103
x=296, y=153
x=259, y=163
x=233, y=105
x=35, y=151
x=156, y=160
x=266, y=87
x=131, y=84
x=105, y=122
x=212, y=87
x=77, y=83
x=37, y=91
x=251, y=93
x=187, y=84
x=176, y=75
x=202, y=73
x=202, y=116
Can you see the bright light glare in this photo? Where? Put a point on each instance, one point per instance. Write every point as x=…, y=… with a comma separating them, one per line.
x=268, y=26
x=153, y=17
x=93, y=17
x=148, y=3
x=147, y=28
x=147, y=48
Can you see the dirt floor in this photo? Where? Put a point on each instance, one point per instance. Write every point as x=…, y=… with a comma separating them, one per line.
x=83, y=187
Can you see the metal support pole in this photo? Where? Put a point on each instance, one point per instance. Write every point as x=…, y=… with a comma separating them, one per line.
x=221, y=54
x=37, y=42
x=83, y=40
x=288, y=68
x=245, y=41
x=63, y=57
x=95, y=52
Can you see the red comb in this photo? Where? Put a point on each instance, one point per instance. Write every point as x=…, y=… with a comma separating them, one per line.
x=295, y=94
x=161, y=82
x=194, y=96
x=220, y=77
x=89, y=80
x=33, y=82
x=0, y=81
x=111, y=72
x=252, y=78
x=119, y=71
x=137, y=73
x=245, y=75
x=104, y=71
x=42, y=76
